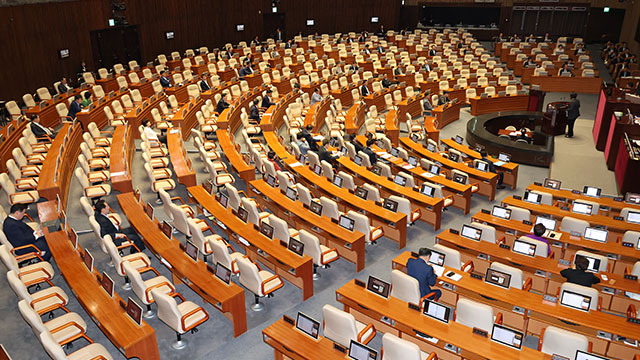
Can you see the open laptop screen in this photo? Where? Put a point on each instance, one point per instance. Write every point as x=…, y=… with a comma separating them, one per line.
x=575, y=300
x=434, y=169
x=524, y=248
x=592, y=191
x=308, y=325
x=359, y=351
x=437, y=258
x=550, y=224
x=506, y=336
x=596, y=234
x=428, y=190
x=552, y=184
x=499, y=278
x=471, y=233
x=378, y=286
x=436, y=310
x=532, y=197
x=582, y=208
x=346, y=222
x=400, y=180
x=501, y=212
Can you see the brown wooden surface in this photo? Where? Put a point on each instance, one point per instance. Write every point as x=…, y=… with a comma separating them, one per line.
x=106, y=312
x=48, y=115
x=589, y=85
x=228, y=299
x=446, y=114
x=121, y=157
x=298, y=270
x=142, y=111
x=244, y=170
x=570, y=195
x=498, y=103
x=97, y=115
x=180, y=163
x=10, y=141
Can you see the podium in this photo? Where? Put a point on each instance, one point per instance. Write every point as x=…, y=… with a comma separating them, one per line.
x=555, y=118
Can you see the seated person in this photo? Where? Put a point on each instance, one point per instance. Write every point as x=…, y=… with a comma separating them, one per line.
x=324, y=154
x=353, y=140
x=579, y=275
x=165, y=81
x=564, y=70
x=315, y=97
x=523, y=135
x=420, y=269
x=266, y=100
x=254, y=113
x=117, y=233
x=222, y=104
x=63, y=87
x=302, y=143
x=528, y=63
x=151, y=134
x=86, y=101
x=444, y=98
x=271, y=156
x=492, y=168
x=369, y=151
x=538, y=231
x=40, y=131
x=306, y=132
x=20, y=234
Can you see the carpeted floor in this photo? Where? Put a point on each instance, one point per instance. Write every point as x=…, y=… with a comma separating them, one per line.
x=575, y=161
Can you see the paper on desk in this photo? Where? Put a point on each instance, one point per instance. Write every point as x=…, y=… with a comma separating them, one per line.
x=318, y=137
x=117, y=173
x=499, y=163
x=439, y=270
x=428, y=174
x=174, y=131
x=408, y=166
x=380, y=153
x=385, y=156
x=297, y=163
x=454, y=277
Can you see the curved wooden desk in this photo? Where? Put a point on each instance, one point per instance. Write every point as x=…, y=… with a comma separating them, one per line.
x=589, y=85
x=350, y=244
x=10, y=135
x=244, y=170
x=179, y=161
x=96, y=114
x=185, y=118
x=298, y=270
x=354, y=118
x=129, y=338
x=121, y=157
x=446, y=114
x=498, y=103
x=46, y=109
x=606, y=202
x=228, y=299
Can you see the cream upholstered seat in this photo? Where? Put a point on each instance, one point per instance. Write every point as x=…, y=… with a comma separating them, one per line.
x=142, y=288
x=29, y=274
x=452, y=258
x=395, y=348
x=223, y=253
x=64, y=328
x=260, y=282
x=281, y=230
x=341, y=327
x=542, y=248
x=371, y=233
x=181, y=317
x=199, y=239
x=23, y=197
x=137, y=260
x=320, y=254
x=474, y=314
x=91, y=191
x=404, y=207
x=569, y=224
x=488, y=232
x=565, y=343
x=43, y=301
x=516, y=275
x=255, y=216
x=596, y=301
x=89, y=352
x=405, y=288
x=519, y=214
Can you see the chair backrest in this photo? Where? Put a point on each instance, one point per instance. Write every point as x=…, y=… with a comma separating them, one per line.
x=18, y=286
x=51, y=346
x=474, y=314
x=220, y=252
x=582, y=290
x=329, y=208
x=395, y=348
x=373, y=193
x=542, y=248
x=304, y=195
x=311, y=246
x=569, y=224
x=519, y=214
x=361, y=224
x=180, y=219
x=280, y=228
x=137, y=283
x=488, y=232
x=197, y=237
x=631, y=236
x=251, y=208
x=604, y=261
x=168, y=310
x=8, y=259
x=516, y=274
x=339, y=326
x=31, y=317
x=562, y=342
x=249, y=276
x=405, y=287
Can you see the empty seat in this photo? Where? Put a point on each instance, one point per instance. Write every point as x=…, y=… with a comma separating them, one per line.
x=565, y=343
x=260, y=282
x=342, y=327
x=181, y=317
x=474, y=314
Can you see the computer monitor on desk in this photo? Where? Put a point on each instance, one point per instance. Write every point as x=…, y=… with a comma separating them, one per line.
x=582, y=208
x=534, y=198
x=592, y=191
x=633, y=217
x=596, y=234
x=437, y=258
x=307, y=325
x=427, y=190
x=501, y=212
x=524, y=248
x=346, y=222
x=581, y=355
x=436, y=311
x=575, y=300
x=358, y=351
x=506, y=336
x=471, y=232
x=400, y=180
x=498, y=278
x=552, y=184
x=550, y=224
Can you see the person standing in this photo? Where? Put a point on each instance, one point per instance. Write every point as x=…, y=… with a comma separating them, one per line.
x=420, y=269
x=572, y=114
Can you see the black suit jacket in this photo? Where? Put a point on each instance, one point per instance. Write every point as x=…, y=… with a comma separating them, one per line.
x=37, y=130
x=221, y=106
x=204, y=86
x=254, y=114
x=106, y=226
x=364, y=90
x=324, y=154
x=62, y=88
x=574, y=109
x=372, y=155
x=266, y=102
x=74, y=108
x=18, y=232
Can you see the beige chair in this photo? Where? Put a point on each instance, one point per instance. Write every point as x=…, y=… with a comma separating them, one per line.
x=341, y=327
x=404, y=207
x=182, y=317
x=395, y=348
x=569, y=224
x=199, y=239
x=138, y=260
x=32, y=274
x=320, y=254
x=64, y=329
x=565, y=343
x=406, y=288
x=42, y=301
x=519, y=214
x=475, y=315
x=93, y=351
x=371, y=233
x=23, y=197
x=516, y=276
x=142, y=288
x=260, y=282
x=223, y=253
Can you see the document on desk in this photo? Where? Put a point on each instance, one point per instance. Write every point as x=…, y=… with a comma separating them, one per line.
x=381, y=153
x=439, y=270
x=318, y=138
x=385, y=156
x=499, y=163
x=297, y=163
x=453, y=276
x=408, y=166
x=427, y=174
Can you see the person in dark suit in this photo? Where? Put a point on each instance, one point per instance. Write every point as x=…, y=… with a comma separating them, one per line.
x=492, y=168
x=222, y=104
x=572, y=113
x=324, y=154
x=564, y=70
x=165, y=81
x=380, y=49
x=366, y=50
x=367, y=150
x=118, y=234
x=266, y=100
x=356, y=143
x=432, y=50
x=426, y=67
x=63, y=87
x=288, y=44
x=364, y=90
x=40, y=131
x=254, y=113
x=306, y=133
x=279, y=36
x=444, y=98
x=75, y=106
x=420, y=269
x=246, y=70
x=579, y=275
x=20, y=234
x=204, y=85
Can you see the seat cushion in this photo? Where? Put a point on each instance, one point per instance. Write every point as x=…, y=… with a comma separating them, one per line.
x=271, y=285
x=376, y=233
x=193, y=319
x=328, y=257
x=98, y=190
x=38, y=306
x=36, y=273
x=360, y=326
x=25, y=197
x=67, y=332
x=137, y=260
x=165, y=184
x=448, y=202
x=91, y=351
x=166, y=288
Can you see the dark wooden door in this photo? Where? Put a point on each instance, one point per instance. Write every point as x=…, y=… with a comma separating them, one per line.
x=115, y=46
x=272, y=22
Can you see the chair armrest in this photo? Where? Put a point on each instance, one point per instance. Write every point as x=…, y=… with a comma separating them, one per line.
x=31, y=271
x=48, y=296
x=267, y=281
x=429, y=296
x=147, y=291
x=631, y=311
x=527, y=284
x=185, y=316
x=499, y=318
x=76, y=337
x=364, y=331
x=432, y=356
x=552, y=255
x=176, y=294
x=148, y=268
x=599, y=303
x=468, y=264
x=501, y=240
x=28, y=246
x=179, y=199
x=327, y=252
x=31, y=196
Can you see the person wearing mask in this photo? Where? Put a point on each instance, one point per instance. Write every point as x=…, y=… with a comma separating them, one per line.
x=420, y=269
x=21, y=235
x=579, y=275
x=110, y=227
x=63, y=87
x=315, y=97
x=254, y=113
x=152, y=134
x=369, y=151
x=165, y=81
x=222, y=104
x=86, y=101
x=538, y=231
x=302, y=143
x=492, y=169
x=573, y=112
x=75, y=107
x=266, y=100
x=40, y=131
x=204, y=85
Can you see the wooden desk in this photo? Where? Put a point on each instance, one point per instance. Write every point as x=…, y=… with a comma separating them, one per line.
x=289, y=343
x=10, y=140
x=510, y=170
x=298, y=270
x=144, y=86
x=46, y=109
x=431, y=208
x=185, y=118
x=97, y=115
x=179, y=161
x=142, y=111
x=350, y=244
x=616, y=226
x=354, y=118
x=121, y=157
x=228, y=299
x=605, y=202
x=589, y=85
x=245, y=171
x=129, y=338
x=410, y=105
x=394, y=224
x=498, y=103
x=487, y=182
x=376, y=99
x=539, y=314
x=180, y=92
x=446, y=114
x=391, y=127
x=566, y=245
x=409, y=324
x=109, y=84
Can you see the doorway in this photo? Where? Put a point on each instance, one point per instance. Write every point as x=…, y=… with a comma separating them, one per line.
x=272, y=22
x=115, y=46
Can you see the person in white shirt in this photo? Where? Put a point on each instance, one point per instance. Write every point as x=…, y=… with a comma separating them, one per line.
x=152, y=134
x=316, y=97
